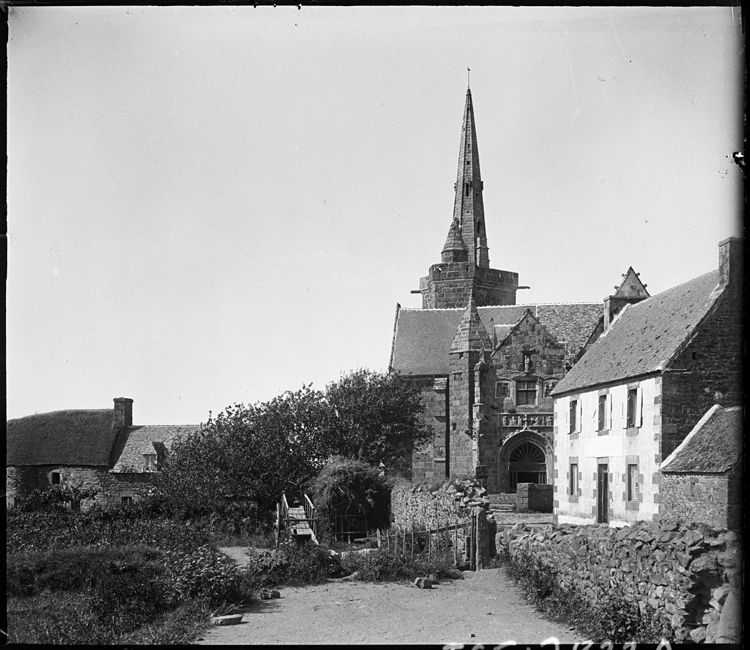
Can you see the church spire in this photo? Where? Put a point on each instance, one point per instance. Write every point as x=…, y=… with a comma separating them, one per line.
x=468, y=208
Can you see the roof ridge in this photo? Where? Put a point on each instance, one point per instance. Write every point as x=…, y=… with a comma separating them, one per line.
x=530, y=304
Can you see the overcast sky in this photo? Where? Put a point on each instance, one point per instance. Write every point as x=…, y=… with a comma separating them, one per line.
x=214, y=205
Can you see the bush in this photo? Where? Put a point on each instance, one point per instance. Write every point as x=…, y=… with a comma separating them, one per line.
x=71, y=569
x=293, y=564
x=351, y=487
x=386, y=566
x=208, y=574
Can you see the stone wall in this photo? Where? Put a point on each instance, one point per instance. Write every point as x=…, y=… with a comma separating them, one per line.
x=533, y=497
x=686, y=573
x=450, y=285
x=713, y=499
x=708, y=371
x=112, y=486
x=424, y=506
x=431, y=461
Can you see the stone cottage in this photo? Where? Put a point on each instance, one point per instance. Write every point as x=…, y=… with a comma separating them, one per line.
x=702, y=479
x=633, y=398
x=485, y=365
x=99, y=448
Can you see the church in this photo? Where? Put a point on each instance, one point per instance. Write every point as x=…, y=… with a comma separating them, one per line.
x=486, y=365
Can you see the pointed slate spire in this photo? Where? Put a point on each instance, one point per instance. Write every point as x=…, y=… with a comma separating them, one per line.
x=468, y=207
x=471, y=333
x=454, y=249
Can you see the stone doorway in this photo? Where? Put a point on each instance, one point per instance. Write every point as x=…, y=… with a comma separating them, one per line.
x=526, y=463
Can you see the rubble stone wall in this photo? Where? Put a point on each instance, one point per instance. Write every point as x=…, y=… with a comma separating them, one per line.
x=21, y=480
x=687, y=573
x=426, y=505
x=710, y=498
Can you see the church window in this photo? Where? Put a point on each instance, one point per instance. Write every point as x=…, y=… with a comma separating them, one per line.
x=501, y=390
x=526, y=393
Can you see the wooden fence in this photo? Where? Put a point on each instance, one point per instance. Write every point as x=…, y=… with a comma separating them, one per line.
x=442, y=541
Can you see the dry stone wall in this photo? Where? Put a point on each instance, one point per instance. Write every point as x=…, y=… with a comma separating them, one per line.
x=424, y=506
x=686, y=573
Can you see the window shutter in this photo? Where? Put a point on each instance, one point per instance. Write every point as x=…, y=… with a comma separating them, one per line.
x=566, y=409
x=609, y=411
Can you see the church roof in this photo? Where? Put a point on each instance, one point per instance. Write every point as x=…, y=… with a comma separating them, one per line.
x=423, y=337
x=645, y=336
x=714, y=446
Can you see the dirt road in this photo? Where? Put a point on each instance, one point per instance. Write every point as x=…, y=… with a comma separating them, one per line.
x=485, y=607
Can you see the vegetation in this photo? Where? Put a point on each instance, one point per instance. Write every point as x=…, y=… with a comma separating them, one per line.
x=350, y=487
x=387, y=566
x=262, y=450
x=612, y=619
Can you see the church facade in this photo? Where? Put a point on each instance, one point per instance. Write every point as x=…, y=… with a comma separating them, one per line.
x=485, y=364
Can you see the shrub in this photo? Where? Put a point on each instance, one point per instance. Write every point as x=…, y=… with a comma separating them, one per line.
x=69, y=569
x=293, y=564
x=351, y=487
x=385, y=566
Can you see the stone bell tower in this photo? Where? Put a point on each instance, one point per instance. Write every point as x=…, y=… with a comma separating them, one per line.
x=464, y=270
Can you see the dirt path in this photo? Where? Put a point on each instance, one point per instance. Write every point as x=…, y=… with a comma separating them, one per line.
x=485, y=607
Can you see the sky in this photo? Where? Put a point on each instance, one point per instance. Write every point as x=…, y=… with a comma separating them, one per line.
x=213, y=205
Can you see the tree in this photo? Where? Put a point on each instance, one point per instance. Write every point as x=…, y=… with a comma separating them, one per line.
x=254, y=451
x=262, y=450
x=375, y=417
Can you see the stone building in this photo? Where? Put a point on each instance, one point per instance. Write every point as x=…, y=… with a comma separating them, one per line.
x=639, y=390
x=99, y=449
x=702, y=479
x=485, y=365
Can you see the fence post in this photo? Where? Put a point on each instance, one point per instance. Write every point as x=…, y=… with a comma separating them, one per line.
x=412, y=538
x=403, y=546
x=378, y=535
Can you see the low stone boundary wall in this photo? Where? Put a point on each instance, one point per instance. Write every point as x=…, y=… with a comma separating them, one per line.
x=533, y=497
x=425, y=506
x=693, y=574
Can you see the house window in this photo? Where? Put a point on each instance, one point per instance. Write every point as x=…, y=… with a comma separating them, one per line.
x=55, y=478
x=573, y=483
x=526, y=393
x=126, y=501
x=501, y=389
x=602, y=412
x=632, y=482
x=149, y=462
x=632, y=404
x=573, y=416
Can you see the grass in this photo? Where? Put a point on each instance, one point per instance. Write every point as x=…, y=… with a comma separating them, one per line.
x=611, y=619
x=386, y=566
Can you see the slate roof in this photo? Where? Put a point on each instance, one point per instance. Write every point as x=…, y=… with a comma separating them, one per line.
x=423, y=337
x=645, y=335
x=146, y=440
x=714, y=445
x=75, y=437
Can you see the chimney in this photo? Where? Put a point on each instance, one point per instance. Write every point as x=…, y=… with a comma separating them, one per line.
x=124, y=411
x=630, y=291
x=731, y=258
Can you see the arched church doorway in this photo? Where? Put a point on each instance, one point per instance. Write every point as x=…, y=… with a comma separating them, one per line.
x=527, y=464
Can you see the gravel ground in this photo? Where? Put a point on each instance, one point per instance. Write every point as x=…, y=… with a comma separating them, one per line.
x=485, y=607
